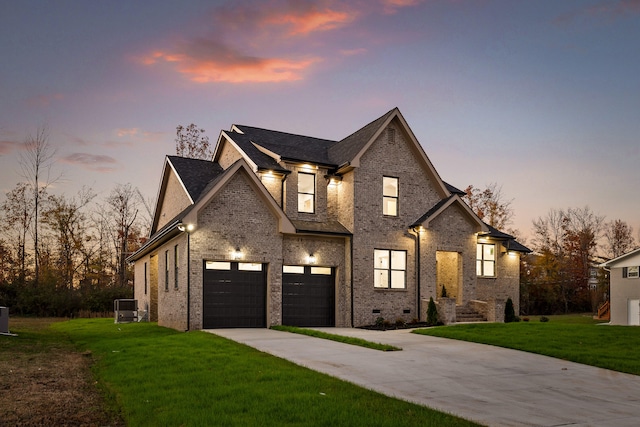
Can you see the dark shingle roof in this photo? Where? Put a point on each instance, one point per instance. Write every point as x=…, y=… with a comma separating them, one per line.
x=287, y=145
x=262, y=160
x=431, y=211
x=346, y=149
x=195, y=174
x=328, y=227
x=454, y=190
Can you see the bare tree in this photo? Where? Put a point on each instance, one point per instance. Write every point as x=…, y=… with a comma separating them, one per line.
x=36, y=160
x=490, y=205
x=618, y=238
x=18, y=210
x=191, y=142
x=123, y=205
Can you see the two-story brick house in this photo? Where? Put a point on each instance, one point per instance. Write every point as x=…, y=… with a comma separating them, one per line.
x=289, y=229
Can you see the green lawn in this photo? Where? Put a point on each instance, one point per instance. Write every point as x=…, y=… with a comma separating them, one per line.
x=161, y=377
x=339, y=338
x=577, y=338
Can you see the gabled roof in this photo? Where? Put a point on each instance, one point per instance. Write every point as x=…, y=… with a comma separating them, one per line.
x=287, y=146
x=193, y=176
x=347, y=149
x=191, y=215
x=442, y=205
x=630, y=259
x=454, y=190
x=508, y=241
x=264, y=149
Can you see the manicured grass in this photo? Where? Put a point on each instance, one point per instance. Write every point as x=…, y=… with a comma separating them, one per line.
x=340, y=338
x=576, y=338
x=161, y=377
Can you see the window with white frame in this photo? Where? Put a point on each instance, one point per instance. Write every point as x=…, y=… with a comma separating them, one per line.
x=631, y=272
x=389, y=196
x=486, y=260
x=390, y=269
x=306, y=192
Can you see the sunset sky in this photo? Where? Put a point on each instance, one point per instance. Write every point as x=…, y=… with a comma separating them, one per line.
x=541, y=97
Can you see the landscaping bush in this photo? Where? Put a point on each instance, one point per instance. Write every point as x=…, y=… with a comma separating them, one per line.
x=544, y=319
x=509, y=312
x=432, y=313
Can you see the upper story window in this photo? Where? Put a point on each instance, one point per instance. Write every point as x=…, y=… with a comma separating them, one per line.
x=389, y=196
x=486, y=260
x=306, y=192
x=389, y=268
x=631, y=272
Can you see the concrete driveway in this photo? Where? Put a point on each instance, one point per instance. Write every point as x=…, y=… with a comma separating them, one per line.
x=486, y=384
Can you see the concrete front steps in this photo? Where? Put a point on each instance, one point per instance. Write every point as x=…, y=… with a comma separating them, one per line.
x=465, y=314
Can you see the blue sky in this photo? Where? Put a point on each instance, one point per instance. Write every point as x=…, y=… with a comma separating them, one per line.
x=540, y=97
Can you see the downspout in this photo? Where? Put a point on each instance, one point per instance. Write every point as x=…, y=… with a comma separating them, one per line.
x=351, y=270
x=418, y=296
x=188, y=281
x=284, y=178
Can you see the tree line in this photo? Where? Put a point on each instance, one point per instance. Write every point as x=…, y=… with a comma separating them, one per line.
x=562, y=274
x=62, y=255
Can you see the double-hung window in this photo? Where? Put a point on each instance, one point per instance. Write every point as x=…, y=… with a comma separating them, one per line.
x=390, y=269
x=306, y=192
x=389, y=196
x=486, y=260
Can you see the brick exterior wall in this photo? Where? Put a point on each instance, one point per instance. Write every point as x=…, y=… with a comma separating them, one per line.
x=175, y=200
x=506, y=284
x=372, y=230
x=237, y=218
x=172, y=300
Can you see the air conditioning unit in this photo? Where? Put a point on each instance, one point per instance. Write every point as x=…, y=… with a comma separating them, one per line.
x=4, y=322
x=126, y=310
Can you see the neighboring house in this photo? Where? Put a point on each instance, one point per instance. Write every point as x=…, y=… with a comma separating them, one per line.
x=289, y=229
x=624, y=288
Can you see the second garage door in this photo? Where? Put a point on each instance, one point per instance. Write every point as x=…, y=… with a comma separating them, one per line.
x=308, y=296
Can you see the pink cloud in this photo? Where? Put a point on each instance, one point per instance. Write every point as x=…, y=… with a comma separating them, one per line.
x=310, y=21
x=392, y=6
x=205, y=61
x=93, y=162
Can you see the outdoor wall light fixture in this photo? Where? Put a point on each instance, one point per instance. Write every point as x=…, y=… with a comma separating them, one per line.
x=311, y=259
x=236, y=254
x=185, y=227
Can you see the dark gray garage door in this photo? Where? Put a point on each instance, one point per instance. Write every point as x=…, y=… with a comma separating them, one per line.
x=308, y=296
x=234, y=295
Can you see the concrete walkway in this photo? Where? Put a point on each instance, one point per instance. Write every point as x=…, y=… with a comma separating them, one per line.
x=489, y=385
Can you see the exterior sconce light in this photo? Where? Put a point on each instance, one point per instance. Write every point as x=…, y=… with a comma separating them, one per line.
x=334, y=180
x=185, y=227
x=236, y=254
x=311, y=259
